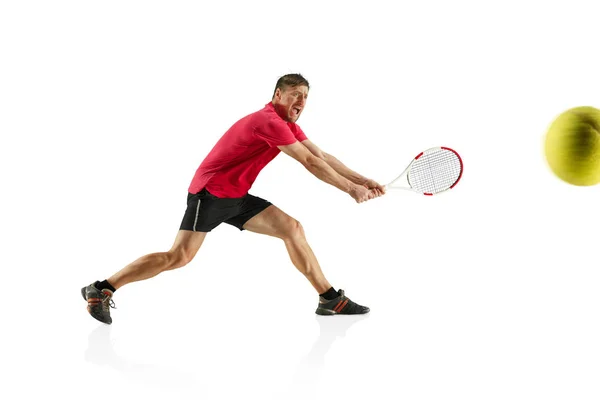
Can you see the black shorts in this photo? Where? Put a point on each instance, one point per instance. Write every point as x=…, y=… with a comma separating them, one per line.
x=205, y=211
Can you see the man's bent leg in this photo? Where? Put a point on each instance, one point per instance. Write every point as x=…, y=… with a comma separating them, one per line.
x=274, y=222
x=183, y=251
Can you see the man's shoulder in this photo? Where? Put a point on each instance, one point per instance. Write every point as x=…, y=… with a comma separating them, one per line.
x=266, y=116
x=253, y=117
x=267, y=112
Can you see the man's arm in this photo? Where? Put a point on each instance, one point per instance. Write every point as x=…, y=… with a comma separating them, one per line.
x=334, y=163
x=341, y=169
x=325, y=172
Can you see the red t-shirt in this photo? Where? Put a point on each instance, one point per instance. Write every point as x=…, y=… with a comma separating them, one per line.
x=231, y=167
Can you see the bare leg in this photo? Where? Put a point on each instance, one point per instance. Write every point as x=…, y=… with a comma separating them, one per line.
x=274, y=222
x=183, y=251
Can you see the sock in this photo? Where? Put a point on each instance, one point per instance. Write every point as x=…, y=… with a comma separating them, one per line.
x=105, y=285
x=330, y=294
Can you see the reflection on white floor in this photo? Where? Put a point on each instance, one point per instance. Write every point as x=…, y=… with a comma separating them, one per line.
x=307, y=375
x=101, y=352
x=310, y=372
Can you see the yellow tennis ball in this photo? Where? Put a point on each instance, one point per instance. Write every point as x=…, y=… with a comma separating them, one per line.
x=573, y=146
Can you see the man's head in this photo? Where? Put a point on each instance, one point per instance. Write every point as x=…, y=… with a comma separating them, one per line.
x=290, y=96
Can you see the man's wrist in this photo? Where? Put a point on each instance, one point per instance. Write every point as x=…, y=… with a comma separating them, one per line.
x=350, y=187
x=361, y=181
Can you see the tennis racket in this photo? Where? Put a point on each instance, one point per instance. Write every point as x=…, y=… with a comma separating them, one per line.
x=431, y=172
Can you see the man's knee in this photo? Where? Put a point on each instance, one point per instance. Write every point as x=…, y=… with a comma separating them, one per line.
x=293, y=230
x=180, y=256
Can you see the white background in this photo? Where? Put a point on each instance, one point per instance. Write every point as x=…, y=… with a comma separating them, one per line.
x=487, y=292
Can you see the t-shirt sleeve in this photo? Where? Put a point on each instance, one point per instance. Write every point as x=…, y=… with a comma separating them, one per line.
x=275, y=132
x=300, y=136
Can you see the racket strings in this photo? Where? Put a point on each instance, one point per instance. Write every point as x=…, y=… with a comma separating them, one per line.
x=435, y=171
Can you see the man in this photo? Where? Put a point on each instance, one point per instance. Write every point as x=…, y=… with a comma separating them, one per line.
x=219, y=193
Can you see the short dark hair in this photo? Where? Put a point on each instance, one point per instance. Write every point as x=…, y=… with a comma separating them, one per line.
x=290, y=80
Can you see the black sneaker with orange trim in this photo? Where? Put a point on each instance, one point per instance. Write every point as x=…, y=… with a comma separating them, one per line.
x=340, y=305
x=99, y=302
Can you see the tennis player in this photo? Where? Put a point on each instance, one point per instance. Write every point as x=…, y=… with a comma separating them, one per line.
x=219, y=193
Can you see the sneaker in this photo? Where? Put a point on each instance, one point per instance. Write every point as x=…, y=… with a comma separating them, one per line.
x=340, y=305
x=99, y=302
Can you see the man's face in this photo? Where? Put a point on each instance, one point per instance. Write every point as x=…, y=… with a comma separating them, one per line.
x=290, y=102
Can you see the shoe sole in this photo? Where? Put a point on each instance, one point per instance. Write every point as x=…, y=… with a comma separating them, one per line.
x=324, y=311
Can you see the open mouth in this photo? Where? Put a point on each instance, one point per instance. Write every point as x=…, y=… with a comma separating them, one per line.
x=296, y=110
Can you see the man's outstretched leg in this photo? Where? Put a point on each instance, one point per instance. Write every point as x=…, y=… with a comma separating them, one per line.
x=99, y=294
x=274, y=222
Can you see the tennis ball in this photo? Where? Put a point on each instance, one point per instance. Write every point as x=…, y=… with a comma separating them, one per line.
x=573, y=146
